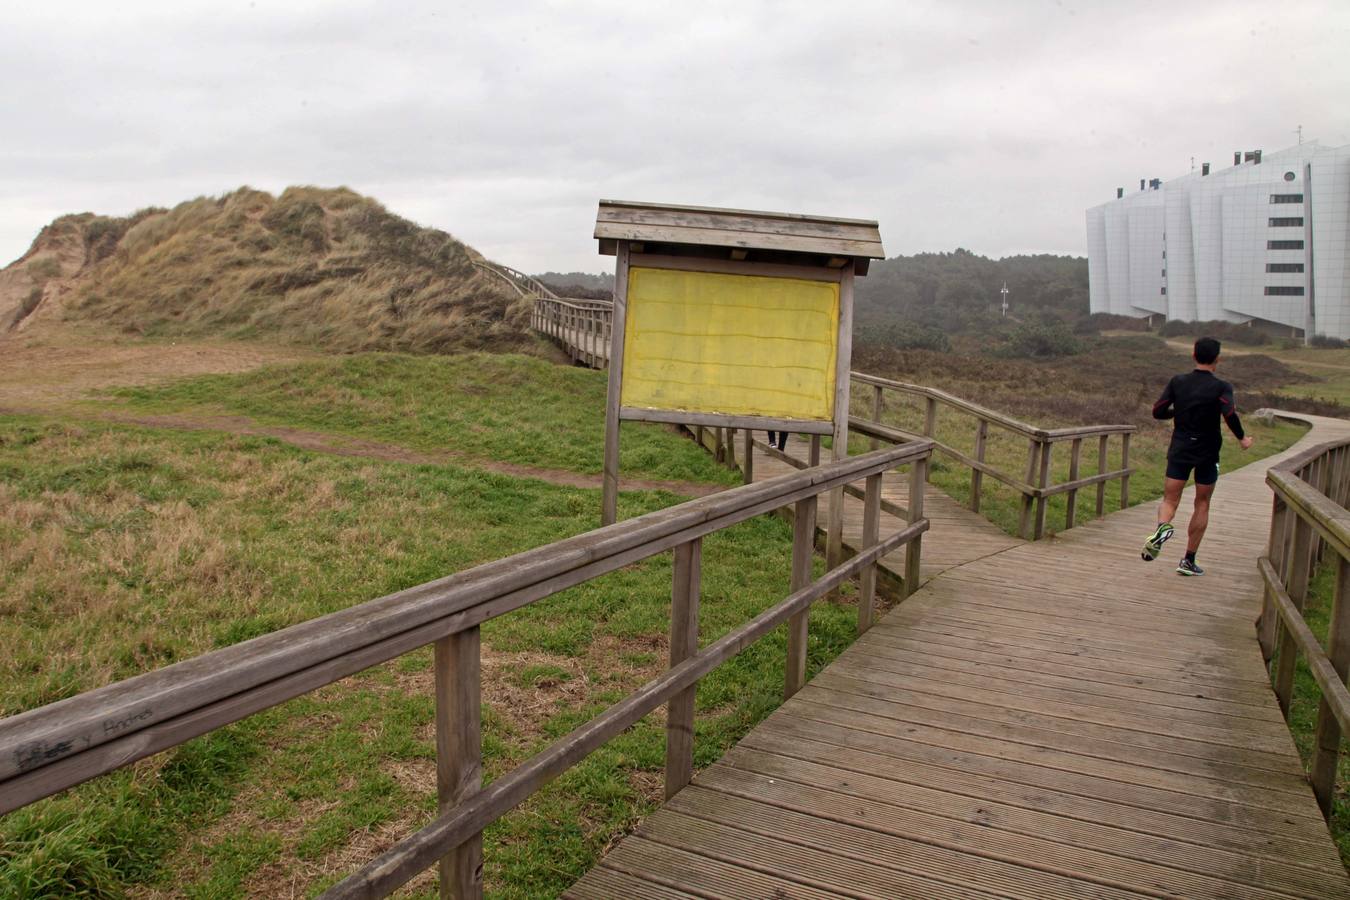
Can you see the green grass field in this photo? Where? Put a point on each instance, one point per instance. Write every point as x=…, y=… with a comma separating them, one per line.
x=511, y=408
x=123, y=549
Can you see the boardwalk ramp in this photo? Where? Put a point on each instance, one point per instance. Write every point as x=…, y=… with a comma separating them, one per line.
x=1052, y=719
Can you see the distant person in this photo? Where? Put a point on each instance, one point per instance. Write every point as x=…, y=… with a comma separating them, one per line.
x=1196, y=401
x=782, y=439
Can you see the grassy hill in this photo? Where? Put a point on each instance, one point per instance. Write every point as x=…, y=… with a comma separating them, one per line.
x=317, y=267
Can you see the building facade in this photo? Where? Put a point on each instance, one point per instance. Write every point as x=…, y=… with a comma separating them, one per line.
x=1266, y=239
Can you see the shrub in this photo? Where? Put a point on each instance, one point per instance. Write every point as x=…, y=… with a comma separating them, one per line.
x=1040, y=340
x=906, y=336
x=1225, y=332
x=43, y=269
x=1327, y=342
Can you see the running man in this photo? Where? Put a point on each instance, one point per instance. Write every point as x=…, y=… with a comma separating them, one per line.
x=1197, y=401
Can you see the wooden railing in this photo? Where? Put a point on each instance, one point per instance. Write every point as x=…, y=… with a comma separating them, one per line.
x=525, y=285
x=580, y=327
x=56, y=746
x=1037, y=484
x=1309, y=518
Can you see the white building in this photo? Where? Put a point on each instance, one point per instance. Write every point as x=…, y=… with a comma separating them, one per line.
x=1268, y=238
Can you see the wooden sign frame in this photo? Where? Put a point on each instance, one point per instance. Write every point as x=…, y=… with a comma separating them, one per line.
x=837, y=427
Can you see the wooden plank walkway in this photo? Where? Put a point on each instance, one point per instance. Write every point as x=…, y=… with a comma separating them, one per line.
x=1053, y=719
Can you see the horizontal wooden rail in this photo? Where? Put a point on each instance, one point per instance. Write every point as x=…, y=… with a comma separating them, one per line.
x=1308, y=519
x=884, y=505
x=415, y=853
x=46, y=750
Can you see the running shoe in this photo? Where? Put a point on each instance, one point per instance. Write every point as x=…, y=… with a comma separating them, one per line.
x=1153, y=546
x=1189, y=568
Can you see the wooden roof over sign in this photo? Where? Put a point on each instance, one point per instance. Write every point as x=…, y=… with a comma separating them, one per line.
x=659, y=223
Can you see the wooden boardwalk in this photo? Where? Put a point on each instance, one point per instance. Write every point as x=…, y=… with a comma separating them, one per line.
x=1050, y=719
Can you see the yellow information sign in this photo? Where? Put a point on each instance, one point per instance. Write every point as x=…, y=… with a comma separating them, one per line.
x=730, y=344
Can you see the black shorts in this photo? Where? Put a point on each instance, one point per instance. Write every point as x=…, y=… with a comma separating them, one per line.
x=1205, y=472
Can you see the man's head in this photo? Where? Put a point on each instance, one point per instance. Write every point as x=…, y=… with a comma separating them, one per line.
x=1206, y=351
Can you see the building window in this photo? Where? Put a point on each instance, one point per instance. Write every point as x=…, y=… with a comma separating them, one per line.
x=1286, y=198
x=1287, y=222
x=1164, y=273
x=1163, y=290
x=1284, y=267
x=1279, y=290
x=1284, y=245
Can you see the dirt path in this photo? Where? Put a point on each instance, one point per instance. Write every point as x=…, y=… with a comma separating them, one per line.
x=342, y=445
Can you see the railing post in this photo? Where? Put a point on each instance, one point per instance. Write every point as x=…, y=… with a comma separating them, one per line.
x=976, y=476
x=748, y=466
x=459, y=753
x=731, y=448
x=1042, y=482
x=684, y=599
x=918, y=477
x=1101, y=470
x=1297, y=586
x=813, y=455
x=1275, y=552
x=720, y=444
x=876, y=412
x=1125, y=466
x=803, y=551
x=1024, y=523
x=871, y=528
x=1327, y=746
x=1075, y=456
x=930, y=424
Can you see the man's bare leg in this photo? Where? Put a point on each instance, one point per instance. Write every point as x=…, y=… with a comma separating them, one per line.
x=1171, y=499
x=1195, y=531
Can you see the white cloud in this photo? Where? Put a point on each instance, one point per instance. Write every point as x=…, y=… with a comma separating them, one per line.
x=985, y=125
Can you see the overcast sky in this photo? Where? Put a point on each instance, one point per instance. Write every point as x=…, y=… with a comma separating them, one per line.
x=990, y=126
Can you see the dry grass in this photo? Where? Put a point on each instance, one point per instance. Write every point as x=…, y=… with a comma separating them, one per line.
x=313, y=267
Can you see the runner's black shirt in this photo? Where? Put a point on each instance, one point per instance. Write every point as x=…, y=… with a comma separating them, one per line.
x=1197, y=400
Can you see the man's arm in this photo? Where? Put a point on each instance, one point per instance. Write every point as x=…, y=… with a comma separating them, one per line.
x=1163, y=408
x=1228, y=409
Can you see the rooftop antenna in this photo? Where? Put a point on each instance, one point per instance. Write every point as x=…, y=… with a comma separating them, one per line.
x=1004, y=292
x=1192, y=163
x=1299, y=131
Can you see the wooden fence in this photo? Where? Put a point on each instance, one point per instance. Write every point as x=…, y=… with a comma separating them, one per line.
x=46, y=750
x=581, y=327
x=1309, y=519
x=1036, y=485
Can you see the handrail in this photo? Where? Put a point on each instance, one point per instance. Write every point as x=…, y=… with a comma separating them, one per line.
x=54, y=747
x=1037, y=486
x=1309, y=516
x=581, y=327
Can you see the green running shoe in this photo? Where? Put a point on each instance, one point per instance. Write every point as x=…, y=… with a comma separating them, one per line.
x=1153, y=546
x=1189, y=568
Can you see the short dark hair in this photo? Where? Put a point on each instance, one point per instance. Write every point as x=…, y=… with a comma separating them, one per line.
x=1206, y=351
